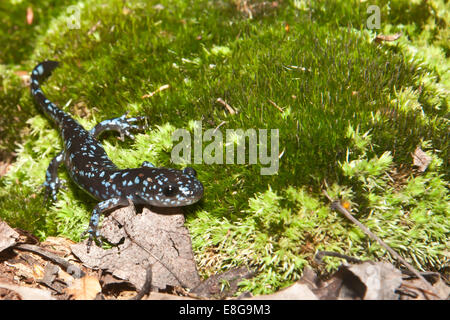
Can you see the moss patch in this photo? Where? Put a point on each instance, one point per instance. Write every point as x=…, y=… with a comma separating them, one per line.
x=311, y=71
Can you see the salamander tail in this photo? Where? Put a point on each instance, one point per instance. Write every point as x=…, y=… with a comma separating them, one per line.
x=43, y=70
x=39, y=73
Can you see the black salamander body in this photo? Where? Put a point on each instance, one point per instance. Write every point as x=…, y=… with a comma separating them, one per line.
x=91, y=169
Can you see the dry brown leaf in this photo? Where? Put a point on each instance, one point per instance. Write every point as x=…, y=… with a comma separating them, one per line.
x=85, y=288
x=297, y=291
x=414, y=290
x=165, y=296
x=381, y=279
x=23, y=271
x=213, y=286
x=381, y=37
x=8, y=236
x=38, y=271
x=421, y=159
x=152, y=238
x=67, y=278
x=27, y=293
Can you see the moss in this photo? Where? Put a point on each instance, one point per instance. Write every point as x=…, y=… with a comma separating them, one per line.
x=312, y=71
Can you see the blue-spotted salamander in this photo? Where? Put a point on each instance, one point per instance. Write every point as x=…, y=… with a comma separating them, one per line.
x=90, y=167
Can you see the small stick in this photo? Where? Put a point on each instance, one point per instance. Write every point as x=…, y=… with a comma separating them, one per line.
x=164, y=87
x=94, y=27
x=336, y=205
x=217, y=128
x=226, y=105
x=70, y=268
x=50, y=273
x=276, y=106
x=419, y=289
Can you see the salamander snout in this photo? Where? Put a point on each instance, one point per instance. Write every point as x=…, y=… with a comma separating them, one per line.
x=171, y=188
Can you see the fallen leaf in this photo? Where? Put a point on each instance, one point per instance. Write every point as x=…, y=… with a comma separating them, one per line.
x=8, y=236
x=165, y=296
x=414, y=289
x=58, y=245
x=361, y=281
x=214, y=287
x=297, y=291
x=67, y=278
x=38, y=271
x=380, y=38
x=159, y=239
x=85, y=288
x=27, y=293
x=380, y=278
x=421, y=159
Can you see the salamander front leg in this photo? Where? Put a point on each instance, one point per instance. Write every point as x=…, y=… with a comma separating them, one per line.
x=52, y=182
x=123, y=125
x=95, y=218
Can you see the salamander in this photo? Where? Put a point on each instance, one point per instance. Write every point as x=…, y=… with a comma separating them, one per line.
x=92, y=170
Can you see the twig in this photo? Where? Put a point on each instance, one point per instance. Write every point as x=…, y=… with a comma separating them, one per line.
x=426, y=274
x=50, y=273
x=406, y=292
x=425, y=292
x=276, y=106
x=94, y=27
x=336, y=205
x=70, y=268
x=226, y=105
x=164, y=87
x=217, y=128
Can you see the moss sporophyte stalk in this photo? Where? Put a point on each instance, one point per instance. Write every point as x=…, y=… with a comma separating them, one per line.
x=258, y=149
x=349, y=114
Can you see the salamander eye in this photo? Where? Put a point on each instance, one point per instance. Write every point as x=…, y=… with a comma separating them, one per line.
x=190, y=171
x=170, y=190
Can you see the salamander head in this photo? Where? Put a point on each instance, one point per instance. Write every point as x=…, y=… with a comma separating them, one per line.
x=161, y=187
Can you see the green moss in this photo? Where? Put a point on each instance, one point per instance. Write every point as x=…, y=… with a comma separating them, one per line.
x=331, y=81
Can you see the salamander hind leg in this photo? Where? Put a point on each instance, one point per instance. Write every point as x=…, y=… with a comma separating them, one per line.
x=122, y=124
x=99, y=209
x=52, y=182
